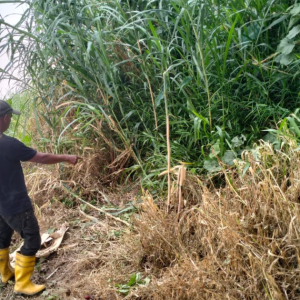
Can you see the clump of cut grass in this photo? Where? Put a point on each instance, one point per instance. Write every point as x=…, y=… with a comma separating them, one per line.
x=240, y=241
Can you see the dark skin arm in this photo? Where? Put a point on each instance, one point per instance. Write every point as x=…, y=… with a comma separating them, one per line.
x=48, y=158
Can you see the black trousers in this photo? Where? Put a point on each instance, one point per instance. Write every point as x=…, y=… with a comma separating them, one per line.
x=26, y=225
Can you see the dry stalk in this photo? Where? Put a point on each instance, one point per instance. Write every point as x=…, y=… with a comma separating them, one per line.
x=94, y=207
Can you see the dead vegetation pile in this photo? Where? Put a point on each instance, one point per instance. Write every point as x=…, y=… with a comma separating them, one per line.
x=237, y=240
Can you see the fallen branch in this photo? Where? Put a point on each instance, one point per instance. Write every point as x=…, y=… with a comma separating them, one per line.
x=94, y=207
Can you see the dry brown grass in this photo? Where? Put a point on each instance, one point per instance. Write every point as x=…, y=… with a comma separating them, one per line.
x=237, y=241
x=240, y=241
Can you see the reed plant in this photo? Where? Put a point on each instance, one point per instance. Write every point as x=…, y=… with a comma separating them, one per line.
x=106, y=61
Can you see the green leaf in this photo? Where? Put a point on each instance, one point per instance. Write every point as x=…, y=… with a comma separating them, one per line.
x=237, y=141
x=220, y=132
x=133, y=279
x=285, y=59
x=286, y=46
x=197, y=127
x=185, y=81
x=77, y=80
x=200, y=116
x=293, y=32
x=211, y=165
x=138, y=277
x=159, y=97
x=88, y=50
x=294, y=126
x=215, y=150
x=147, y=280
x=228, y=157
x=247, y=166
x=124, y=291
x=296, y=9
x=282, y=18
x=293, y=20
x=270, y=137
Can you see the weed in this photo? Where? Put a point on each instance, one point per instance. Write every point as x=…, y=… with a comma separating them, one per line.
x=135, y=280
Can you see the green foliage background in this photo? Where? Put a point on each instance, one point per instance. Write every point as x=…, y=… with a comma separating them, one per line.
x=223, y=71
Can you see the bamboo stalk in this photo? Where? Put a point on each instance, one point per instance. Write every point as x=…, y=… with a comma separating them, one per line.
x=180, y=182
x=168, y=141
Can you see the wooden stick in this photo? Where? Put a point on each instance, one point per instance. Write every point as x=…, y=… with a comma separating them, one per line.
x=180, y=182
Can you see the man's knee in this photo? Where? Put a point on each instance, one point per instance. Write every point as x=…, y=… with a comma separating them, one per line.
x=27, y=226
x=5, y=234
x=32, y=244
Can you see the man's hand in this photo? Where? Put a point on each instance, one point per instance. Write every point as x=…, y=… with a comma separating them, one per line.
x=73, y=159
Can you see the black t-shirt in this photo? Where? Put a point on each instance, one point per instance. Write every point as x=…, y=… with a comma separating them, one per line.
x=13, y=193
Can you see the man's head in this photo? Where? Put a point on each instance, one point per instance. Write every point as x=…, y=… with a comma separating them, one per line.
x=5, y=115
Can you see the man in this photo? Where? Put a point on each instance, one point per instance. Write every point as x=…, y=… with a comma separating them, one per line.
x=16, y=211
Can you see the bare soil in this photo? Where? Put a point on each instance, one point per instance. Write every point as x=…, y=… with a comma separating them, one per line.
x=69, y=273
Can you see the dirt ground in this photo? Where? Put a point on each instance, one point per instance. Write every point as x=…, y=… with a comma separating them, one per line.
x=70, y=272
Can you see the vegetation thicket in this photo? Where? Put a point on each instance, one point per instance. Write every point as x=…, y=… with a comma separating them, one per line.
x=216, y=73
x=240, y=241
x=153, y=85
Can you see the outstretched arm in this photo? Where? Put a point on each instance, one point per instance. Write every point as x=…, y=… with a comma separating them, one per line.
x=48, y=158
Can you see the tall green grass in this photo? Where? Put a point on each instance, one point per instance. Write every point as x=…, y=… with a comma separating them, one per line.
x=106, y=60
x=20, y=125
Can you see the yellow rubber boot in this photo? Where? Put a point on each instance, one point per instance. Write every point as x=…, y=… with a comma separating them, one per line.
x=6, y=270
x=23, y=270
